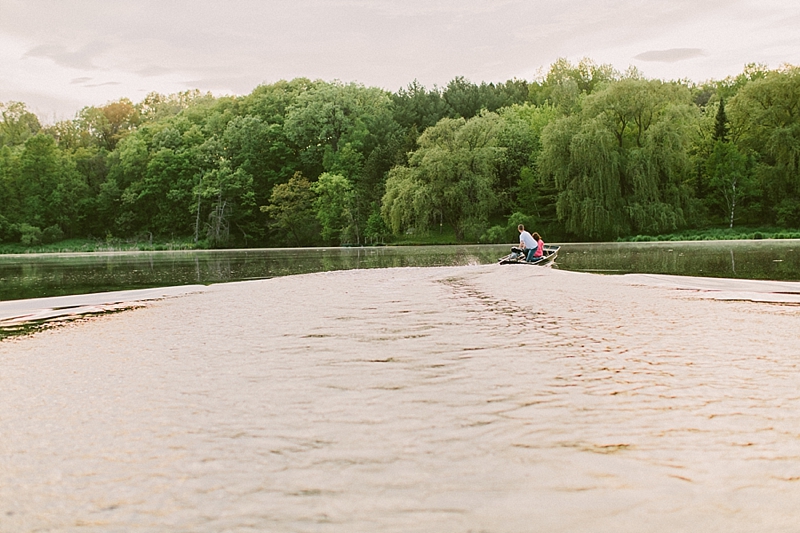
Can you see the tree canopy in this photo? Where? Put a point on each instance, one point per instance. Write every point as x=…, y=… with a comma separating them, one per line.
x=582, y=152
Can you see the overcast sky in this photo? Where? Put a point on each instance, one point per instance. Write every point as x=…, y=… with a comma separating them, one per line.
x=60, y=55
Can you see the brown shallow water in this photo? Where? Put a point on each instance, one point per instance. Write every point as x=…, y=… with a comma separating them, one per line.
x=487, y=398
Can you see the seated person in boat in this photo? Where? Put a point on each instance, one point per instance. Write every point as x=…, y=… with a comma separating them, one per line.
x=539, y=247
x=528, y=245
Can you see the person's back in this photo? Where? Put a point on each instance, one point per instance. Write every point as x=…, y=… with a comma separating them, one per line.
x=527, y=242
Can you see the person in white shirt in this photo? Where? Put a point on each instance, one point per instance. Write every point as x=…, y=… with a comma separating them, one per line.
x=527, y=243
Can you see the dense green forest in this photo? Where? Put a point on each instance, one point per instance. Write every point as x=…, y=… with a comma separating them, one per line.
x=585, y=153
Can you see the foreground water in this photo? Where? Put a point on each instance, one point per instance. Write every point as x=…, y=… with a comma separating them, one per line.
x=471, y=399
x=46, y=275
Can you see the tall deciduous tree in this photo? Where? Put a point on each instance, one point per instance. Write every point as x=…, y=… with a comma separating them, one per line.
x=346, y=130
x=9, y=197
x=110, y=123
x=261, y=150
x=17, y=124
x=328, y=117
x=765, y=120
x=729, y=176
x=520, y=136
x=50, y=190
x=229, y=194
x=334, y=205
x=565, y=83
x=291, y=211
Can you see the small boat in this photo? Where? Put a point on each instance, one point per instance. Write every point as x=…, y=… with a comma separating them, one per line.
x=549, y=253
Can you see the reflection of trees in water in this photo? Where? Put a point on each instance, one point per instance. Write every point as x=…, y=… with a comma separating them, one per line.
x=761, y=260
x=49, y=275
x=218, y=269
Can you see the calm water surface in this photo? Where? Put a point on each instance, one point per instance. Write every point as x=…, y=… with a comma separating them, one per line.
x=764, y=259
x=45, y=275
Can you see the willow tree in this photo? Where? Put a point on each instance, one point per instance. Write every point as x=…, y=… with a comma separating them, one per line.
x=621, y=163
x=449, y=179
x=565, y=83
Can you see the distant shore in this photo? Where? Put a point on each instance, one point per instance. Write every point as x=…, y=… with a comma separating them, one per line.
x=413, y=399
x=134, y=245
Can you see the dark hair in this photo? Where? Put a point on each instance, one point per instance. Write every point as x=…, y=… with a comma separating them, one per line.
x=536, y=236
x=521, y=227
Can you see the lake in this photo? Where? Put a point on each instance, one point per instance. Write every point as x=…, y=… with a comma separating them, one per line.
x=47, y=275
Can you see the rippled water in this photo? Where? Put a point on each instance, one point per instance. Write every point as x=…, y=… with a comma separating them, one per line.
x=462, y=400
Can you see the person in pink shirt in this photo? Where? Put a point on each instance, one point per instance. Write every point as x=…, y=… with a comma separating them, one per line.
x=539, y=246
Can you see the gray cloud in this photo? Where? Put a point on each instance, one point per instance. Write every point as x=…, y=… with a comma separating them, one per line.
x=672, y=55
x=80, y=81
x=82, y=58
x=105, y=83
x=152, y=71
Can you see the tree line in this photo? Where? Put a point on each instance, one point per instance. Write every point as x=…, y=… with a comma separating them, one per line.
x=584, y=153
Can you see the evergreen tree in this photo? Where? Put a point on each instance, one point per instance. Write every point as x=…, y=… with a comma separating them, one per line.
x=721, y=123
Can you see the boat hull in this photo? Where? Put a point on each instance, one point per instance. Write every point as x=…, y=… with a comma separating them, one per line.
x=548, y=258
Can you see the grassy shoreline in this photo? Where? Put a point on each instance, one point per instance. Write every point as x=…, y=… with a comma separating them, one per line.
x=718, y=234
x=432, y=239
x=94, y=245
